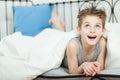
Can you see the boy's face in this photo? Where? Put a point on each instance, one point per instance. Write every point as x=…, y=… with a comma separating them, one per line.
x=91, y=30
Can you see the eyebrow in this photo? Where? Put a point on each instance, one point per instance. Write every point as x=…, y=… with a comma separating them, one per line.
x=99, y=23
x=85, y=22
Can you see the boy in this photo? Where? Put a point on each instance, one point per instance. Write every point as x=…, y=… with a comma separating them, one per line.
x=86, y=53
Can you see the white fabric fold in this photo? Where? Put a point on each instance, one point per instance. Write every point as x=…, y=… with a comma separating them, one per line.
x=24, y=57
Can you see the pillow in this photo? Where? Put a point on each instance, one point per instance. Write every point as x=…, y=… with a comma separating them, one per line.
x=113, y=47
x=30, y=20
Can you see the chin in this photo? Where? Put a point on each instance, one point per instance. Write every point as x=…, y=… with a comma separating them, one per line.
x=92, y=43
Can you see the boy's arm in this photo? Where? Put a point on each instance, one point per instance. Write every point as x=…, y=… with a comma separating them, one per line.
x=101, y=57
x=72, y=53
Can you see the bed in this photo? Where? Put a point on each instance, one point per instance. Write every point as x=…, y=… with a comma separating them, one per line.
x=67, y=11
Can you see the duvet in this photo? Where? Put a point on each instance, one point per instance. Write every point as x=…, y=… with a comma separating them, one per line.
x=24, y=57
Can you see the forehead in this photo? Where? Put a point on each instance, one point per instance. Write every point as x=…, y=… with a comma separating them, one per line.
x=92, y=19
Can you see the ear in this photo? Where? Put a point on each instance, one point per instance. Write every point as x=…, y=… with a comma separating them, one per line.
x=78, y=29
x=103, y=31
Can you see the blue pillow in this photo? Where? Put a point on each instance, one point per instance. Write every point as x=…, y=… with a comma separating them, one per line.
x=30, y=20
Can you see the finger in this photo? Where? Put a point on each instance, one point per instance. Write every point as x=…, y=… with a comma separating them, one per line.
x=90, y=69
x=94, y=74
x=96, y=64
x=86, y=71
x=94, y=68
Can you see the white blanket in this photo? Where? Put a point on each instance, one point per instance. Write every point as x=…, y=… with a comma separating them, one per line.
x=24, y=57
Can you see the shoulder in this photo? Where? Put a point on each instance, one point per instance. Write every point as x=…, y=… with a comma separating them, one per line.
x=72, y=43
x=103, y=42
x=72, y=46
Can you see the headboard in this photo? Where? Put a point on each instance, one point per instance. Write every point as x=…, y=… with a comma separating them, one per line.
x=67, y=10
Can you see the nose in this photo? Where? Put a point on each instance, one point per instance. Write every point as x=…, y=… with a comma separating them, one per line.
x=92, y=29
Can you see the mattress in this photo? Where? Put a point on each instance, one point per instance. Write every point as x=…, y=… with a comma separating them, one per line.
x=61, y=73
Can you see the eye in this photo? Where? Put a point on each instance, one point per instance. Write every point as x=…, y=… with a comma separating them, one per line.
x=86, y=25
x=98, y=26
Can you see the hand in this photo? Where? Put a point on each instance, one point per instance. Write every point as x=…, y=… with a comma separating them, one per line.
x=97, y=65
x=90, y=68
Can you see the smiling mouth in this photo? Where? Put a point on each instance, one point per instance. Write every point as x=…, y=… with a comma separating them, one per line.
x=92, y=37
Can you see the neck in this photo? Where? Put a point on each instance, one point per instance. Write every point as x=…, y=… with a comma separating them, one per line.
x=87, y=48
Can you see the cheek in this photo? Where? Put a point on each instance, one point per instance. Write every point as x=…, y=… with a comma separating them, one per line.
x=85, y=31
x=100, y=33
